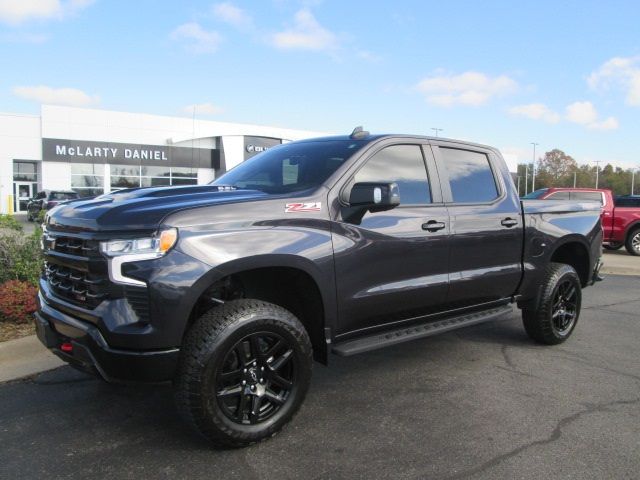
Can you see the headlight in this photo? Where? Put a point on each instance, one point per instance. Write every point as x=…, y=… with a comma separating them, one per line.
x=134, y=250
x=157, y=245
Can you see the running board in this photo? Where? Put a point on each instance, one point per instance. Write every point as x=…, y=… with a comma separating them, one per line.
x=400, y=335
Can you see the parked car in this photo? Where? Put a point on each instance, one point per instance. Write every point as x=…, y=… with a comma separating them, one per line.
x=333, y=245
x=46, y=200
x=620, y=215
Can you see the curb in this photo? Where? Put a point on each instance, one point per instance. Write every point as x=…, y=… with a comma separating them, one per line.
x=24, y=357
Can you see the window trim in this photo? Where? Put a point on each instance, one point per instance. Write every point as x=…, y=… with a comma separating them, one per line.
x=444, y=173
x=427, y=161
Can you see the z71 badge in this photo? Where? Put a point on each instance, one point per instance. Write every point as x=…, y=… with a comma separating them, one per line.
x=303, y=207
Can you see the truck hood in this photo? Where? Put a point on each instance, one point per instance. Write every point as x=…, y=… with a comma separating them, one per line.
x=140, y=209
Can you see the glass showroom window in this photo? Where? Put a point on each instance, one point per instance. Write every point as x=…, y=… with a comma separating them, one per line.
x=155, y=176
x=184, y=176
x=124, y=176
x=87, y=179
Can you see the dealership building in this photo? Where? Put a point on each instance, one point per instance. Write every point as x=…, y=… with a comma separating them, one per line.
x=99, y=151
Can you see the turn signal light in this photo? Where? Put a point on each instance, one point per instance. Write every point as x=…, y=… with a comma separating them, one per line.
x=167, y=239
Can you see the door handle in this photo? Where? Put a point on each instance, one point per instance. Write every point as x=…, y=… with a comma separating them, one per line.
x=433, y=226
x=509, y=222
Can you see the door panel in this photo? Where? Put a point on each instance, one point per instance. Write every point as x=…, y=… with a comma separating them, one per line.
x=485, y=225
x=392, y=265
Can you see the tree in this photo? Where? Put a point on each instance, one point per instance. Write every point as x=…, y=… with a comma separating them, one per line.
x=555, y=169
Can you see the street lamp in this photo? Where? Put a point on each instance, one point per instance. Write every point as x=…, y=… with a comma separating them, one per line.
x=436, y=130
x=597, y=162
x=533, y=179
x=633, y=179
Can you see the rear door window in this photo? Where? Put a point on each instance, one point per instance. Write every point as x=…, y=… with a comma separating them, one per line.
x=470, y=176
x=591, y=196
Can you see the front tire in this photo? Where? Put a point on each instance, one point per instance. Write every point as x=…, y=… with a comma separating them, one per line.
x=244, y=371
x=632, y=244
x=555, y=315
x=612, y=246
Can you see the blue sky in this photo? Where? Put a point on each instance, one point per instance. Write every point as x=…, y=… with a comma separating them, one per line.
x=563, y=74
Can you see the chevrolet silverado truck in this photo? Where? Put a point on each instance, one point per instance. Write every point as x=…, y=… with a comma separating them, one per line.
x=335, y=245
x=620, y=216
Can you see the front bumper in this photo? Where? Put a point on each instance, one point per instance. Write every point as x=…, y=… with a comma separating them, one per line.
x=90, y=352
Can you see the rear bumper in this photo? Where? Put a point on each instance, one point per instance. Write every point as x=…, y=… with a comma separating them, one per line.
x=90, y=352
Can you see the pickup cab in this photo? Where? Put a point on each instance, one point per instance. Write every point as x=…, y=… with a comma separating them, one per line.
x=335, y=245
x=620, y=215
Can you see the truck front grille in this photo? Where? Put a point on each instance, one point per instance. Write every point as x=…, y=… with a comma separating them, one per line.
x=75, y=270
x=83, y=288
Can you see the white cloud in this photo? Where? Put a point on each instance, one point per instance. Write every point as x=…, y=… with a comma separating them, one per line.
x=468, y=88
x=229, y=13
x=622, y=72
x=610, y=123
x=306, y=34
x=584, y=113
x=56, y=96
x=203, y=109
x=19, y=11
x=196, y=38
x=536, y=111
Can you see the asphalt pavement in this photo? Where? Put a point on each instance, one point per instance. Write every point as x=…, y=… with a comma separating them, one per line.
x=484, y=402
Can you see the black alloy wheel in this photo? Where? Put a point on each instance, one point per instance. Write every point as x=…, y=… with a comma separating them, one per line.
x=552, y=317
x=564, y=308
x=257, y=378
x=244, y=370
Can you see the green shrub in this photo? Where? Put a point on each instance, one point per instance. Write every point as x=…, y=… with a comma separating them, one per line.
x=20, y=255
x=10, y=222
x=17, y=301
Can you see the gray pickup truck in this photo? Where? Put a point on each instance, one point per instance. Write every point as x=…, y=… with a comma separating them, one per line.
x=331, y=245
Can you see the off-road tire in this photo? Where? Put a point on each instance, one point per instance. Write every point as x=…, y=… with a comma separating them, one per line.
x=538, y=317
x=633, y=237
x=208, y=343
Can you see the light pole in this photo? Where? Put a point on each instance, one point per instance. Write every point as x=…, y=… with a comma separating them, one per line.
x=597, y=162
x=533, y=174
x=436, y=130
x=633, y=179
x=526, y=178
x=574, y=179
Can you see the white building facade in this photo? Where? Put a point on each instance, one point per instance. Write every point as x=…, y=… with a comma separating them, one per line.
x=98, y=151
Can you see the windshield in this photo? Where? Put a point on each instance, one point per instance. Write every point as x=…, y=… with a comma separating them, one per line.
x=536, y=194
x=291, y=167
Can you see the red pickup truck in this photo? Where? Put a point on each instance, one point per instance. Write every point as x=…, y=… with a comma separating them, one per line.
x=620, y=216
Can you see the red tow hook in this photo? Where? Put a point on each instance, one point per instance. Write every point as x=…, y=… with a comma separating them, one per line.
x=66, y=347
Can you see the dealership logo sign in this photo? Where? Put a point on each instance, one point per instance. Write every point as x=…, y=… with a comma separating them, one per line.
x=256, y=148
x=110, y=152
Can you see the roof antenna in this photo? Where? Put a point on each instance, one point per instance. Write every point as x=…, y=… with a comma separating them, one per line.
x=358, y=133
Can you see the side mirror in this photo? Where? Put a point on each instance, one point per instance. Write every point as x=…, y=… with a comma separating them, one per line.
x=378, y=196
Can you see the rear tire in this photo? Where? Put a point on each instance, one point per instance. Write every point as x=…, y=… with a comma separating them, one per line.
x=612, y=246
x=244, y=370
x=632, y=244
x=552, y=320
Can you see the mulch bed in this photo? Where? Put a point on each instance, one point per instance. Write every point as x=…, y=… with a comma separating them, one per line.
x=11, y=331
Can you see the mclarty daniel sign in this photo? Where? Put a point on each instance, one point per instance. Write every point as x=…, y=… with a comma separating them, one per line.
x=79, y=151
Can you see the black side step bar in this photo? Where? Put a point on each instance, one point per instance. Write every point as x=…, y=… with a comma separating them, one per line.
x=386, y=338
